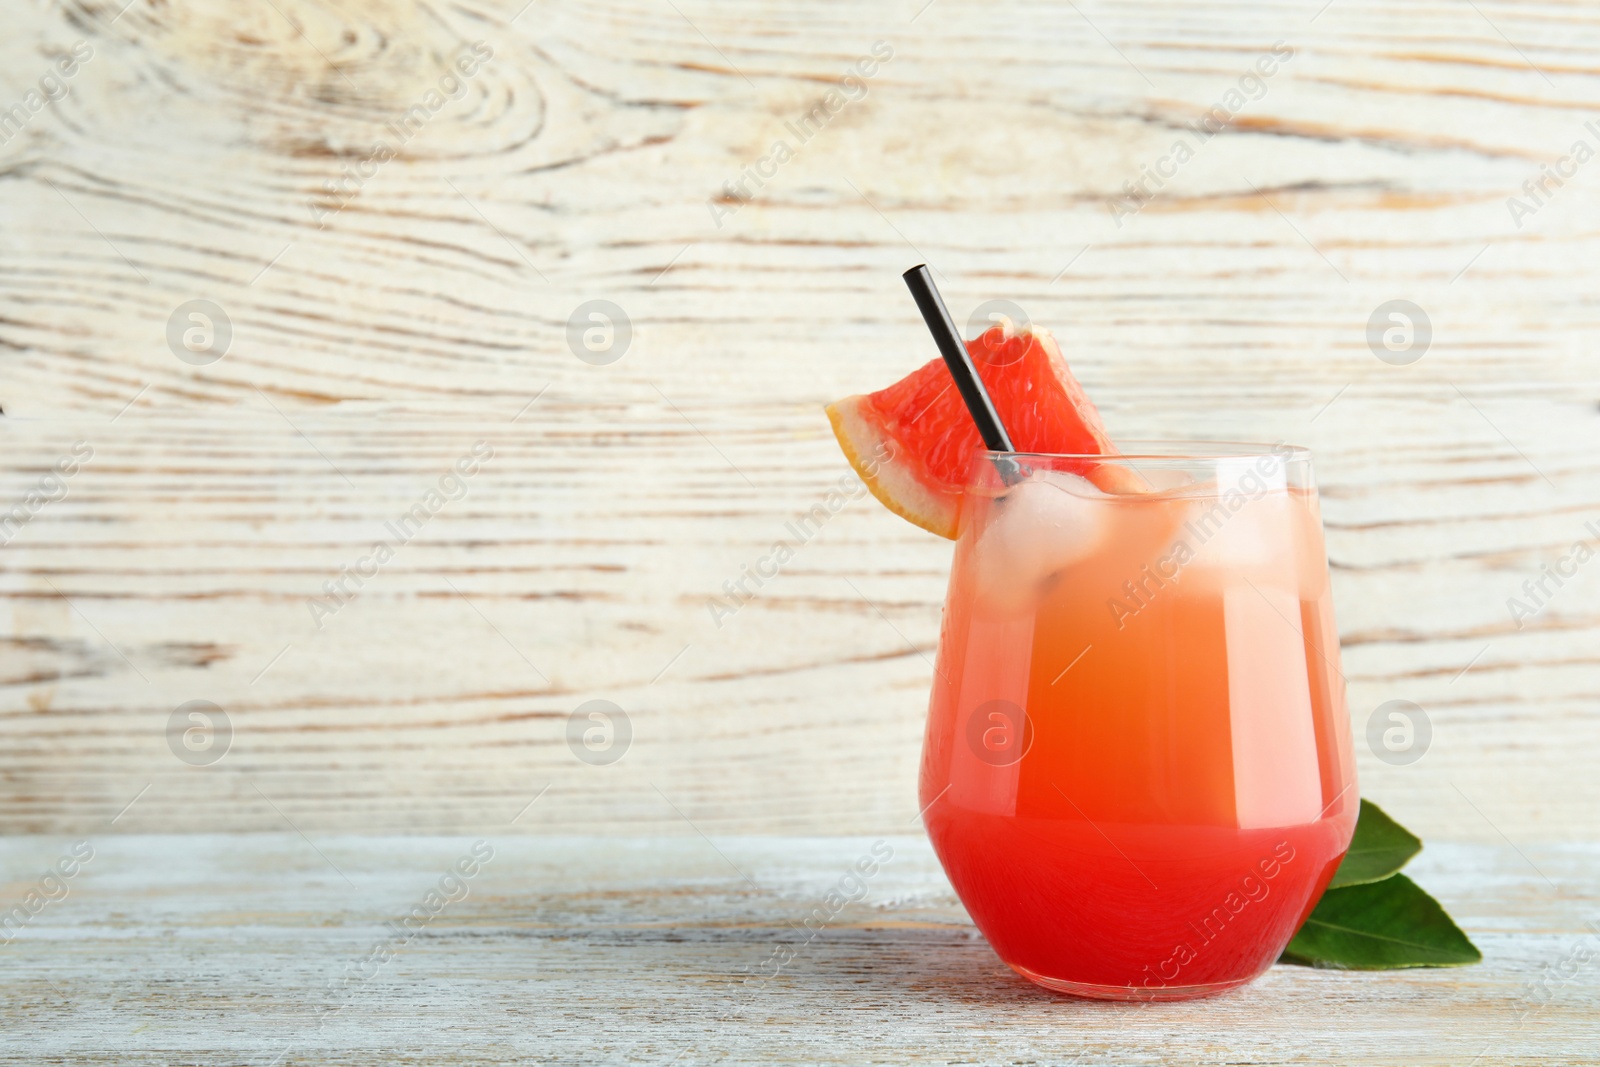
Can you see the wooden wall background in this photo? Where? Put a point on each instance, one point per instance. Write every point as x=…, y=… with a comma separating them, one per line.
x=370, y=352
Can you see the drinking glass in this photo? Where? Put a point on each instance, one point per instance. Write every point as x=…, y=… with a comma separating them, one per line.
x=1137, y=771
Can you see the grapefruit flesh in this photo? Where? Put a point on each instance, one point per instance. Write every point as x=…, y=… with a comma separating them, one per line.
x=912, y=443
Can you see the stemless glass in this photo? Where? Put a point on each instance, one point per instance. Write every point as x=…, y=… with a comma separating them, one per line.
x=1137, y=770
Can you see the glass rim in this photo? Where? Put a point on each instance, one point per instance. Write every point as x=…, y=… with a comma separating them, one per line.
x=1180, y=451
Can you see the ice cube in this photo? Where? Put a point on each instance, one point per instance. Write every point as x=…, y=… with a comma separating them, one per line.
x=1251, y=475
x=1037, y=528
x=1239, y=531
x=1269, y=539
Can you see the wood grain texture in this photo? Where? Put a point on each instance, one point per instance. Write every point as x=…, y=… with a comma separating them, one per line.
x=372, y=346
x=236, y=950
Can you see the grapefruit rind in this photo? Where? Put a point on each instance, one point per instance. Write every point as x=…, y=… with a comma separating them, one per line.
x=889, y=478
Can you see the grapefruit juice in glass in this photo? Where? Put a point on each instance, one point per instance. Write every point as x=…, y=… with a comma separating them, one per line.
x=1137, y=770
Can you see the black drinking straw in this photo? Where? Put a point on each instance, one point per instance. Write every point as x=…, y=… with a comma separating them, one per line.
x=959, y=360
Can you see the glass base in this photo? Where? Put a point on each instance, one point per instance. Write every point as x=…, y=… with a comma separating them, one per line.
x=1092, y=991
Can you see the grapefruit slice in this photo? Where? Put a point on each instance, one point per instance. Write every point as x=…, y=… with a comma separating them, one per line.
x=912, y=443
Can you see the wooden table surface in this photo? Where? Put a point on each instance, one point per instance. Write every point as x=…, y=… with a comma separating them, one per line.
x=387, y=311
x=259, y=949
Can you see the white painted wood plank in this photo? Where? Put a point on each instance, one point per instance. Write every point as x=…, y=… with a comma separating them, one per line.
x=222, y=949
x=578, y=165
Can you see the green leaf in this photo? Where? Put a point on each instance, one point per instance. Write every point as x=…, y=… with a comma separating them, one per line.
x=1381, y=925
x=1380, y=847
